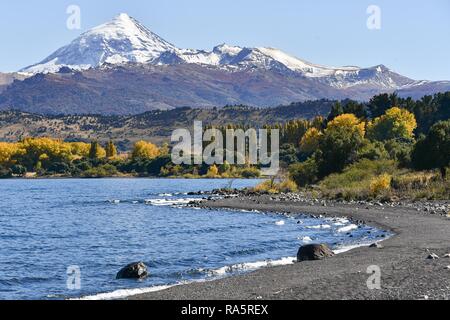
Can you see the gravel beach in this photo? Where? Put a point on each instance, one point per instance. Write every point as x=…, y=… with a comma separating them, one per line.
x=420, y=229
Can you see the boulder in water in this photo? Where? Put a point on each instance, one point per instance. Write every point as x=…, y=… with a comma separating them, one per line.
x=313, y=252
x=136, y=270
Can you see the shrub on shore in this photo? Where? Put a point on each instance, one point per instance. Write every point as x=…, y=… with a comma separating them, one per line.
x=381, y=184
x=358, y=180
x=304, y=173
x=273, y=187
x=106, y=170
x=384, y=179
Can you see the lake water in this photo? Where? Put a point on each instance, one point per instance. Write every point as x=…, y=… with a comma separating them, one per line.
x=99, y=226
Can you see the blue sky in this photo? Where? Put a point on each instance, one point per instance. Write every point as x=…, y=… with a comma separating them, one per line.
x=413, y=40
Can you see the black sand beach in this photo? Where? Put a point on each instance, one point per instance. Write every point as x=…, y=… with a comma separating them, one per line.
x=406, y=273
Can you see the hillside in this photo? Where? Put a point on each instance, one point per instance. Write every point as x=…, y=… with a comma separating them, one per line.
x=156, y=126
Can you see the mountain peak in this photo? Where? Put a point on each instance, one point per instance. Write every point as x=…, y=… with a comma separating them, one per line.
x=123, y=17
x=121, y=40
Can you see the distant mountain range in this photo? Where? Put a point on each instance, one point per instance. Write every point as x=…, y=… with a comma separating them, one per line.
x=122, y=68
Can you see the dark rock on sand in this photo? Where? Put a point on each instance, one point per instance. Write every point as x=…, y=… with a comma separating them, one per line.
x=433, y=256
x=376, y=245
x=313, y=252
x=136, y=270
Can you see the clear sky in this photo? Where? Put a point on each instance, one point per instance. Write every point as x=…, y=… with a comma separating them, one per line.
x=414, y=38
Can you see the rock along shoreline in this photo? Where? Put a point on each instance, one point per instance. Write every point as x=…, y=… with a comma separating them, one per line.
x=420, y=228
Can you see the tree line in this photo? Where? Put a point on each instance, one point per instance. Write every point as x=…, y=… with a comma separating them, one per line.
x=414, y=134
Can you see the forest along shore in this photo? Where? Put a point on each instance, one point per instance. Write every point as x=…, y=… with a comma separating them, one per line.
x=407, y=271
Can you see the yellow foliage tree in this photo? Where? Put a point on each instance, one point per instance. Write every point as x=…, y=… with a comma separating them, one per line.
x=381, y=184
x=395, y=123
x=350, y=122
x=310, y=141
x=145, y=150
x=213, y=171
x=8, y=151
x=80, y=149
x=50, y=149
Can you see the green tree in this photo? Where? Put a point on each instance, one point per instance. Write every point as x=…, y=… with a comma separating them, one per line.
x=96, y=151
x=304, y=173
x=18, y=170
x=356, y=108
x=336, y=111
x=111, y=150
x=433, y=151
x=378, y=105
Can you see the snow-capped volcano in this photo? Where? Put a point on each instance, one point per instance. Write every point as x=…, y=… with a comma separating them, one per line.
x=125, y=40
x=121, y=40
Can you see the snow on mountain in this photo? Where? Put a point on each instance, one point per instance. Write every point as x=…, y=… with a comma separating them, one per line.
x=125, y=40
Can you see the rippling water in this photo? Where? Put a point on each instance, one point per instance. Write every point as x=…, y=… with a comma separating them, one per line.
x=102, y=225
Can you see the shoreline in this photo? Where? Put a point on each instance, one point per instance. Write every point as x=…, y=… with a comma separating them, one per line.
x=120, y=177
x=406, y=273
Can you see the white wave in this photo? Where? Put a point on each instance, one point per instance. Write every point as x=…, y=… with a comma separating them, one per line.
x=344, y=249
x=249, y=211
x=322, y=226
x=169, y=202
x=123, y=293
x=114, y=201
x=348, y=228
x=339, y=221
x=280, y=223
x=165, y=195
x=252, y=266
x=306, y=239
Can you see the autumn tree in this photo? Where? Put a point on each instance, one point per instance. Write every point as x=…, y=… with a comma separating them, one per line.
x=145, y=150
x=7, y=153
x=340, y=143
x=43, y=151
x=213, y=171
x=80, y=149
x=397, y=123
x=348, y=122
x=310, y=141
